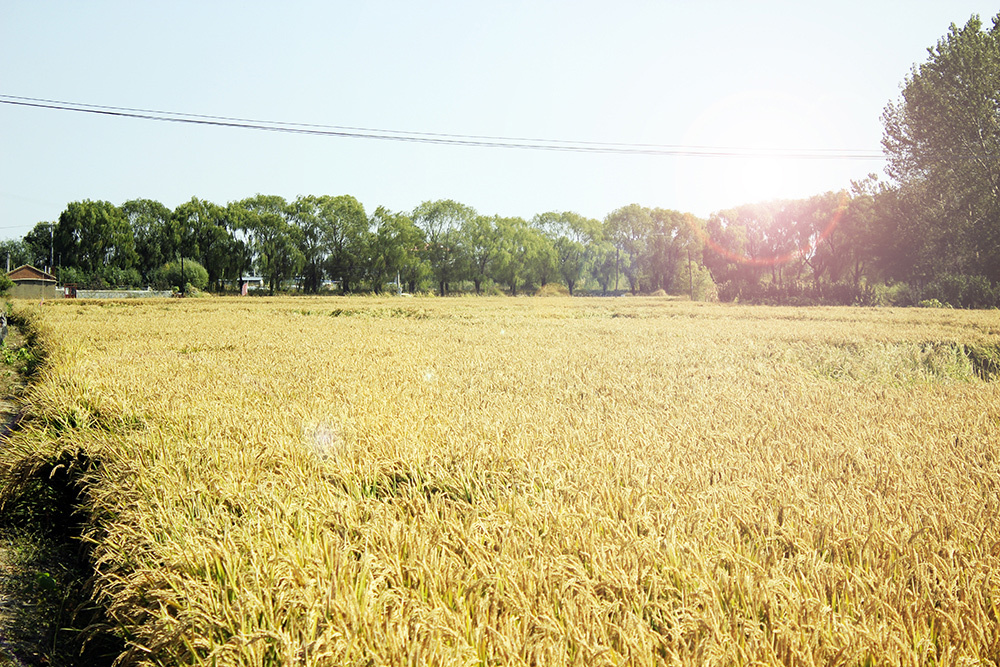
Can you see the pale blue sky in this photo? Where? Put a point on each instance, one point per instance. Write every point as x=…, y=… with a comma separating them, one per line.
x=790, y=75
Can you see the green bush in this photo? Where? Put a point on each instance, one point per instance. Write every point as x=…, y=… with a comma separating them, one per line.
x=169, y=275
x=71, y=275
x=963, y=291
x=552, y=289
x=980, y=293
x=932, y=303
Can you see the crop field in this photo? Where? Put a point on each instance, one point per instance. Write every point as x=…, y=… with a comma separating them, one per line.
x=633, y=481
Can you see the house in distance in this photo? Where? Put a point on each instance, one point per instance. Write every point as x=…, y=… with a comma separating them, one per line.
x=33, y=283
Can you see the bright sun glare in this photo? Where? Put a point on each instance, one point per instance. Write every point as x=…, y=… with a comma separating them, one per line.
x=759, y=130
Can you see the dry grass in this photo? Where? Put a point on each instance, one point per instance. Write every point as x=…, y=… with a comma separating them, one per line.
x=532, y=482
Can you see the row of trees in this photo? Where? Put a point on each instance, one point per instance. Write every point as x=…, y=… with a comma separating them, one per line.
x=831, y=248
x=315, y=240
x=932, y=233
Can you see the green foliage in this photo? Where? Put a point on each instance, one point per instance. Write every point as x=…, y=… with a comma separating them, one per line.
x=574, y=239
x=207, y=232
x=963, y=291
x=519, y=244
x=941, y=139
x=696, y=281
x=93, y=235
x=5, y=283
x=15, y=357
x=173, y=275
x=552, y=289
x=481, y=241
x=798, y=293
x=38, y=246
x=273, y=241
x=628, y=228
x=17, y=252
x=932, y=303
x=442, y=222
x=392, y=248
x=113, y=276
x=152, y=231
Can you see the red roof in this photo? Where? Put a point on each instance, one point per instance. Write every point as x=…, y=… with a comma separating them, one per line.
x=28, y=272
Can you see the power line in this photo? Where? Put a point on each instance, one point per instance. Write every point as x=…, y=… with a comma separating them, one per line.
x=443, y=138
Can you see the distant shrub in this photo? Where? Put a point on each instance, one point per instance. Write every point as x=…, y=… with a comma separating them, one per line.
x=908, y=294
x=173, y=275
x=71, y=275
x=552, y=289
x=193, y=292
x=980, y=293
x=113, y=276
x=963, y=291
x=878, y=294
x=95, y=281
x=5, y=283
x=948, y=289
x=731, y=290
x=932, y=303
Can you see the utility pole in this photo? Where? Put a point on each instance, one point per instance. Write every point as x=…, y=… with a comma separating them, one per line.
x=690, y=275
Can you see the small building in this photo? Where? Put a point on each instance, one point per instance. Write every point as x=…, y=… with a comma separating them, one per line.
x=33, y=283
x=253, y=283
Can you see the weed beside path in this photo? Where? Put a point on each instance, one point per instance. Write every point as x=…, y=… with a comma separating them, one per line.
x=43, y=580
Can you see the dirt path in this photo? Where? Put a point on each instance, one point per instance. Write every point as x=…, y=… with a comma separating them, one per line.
x=28, y=556
x=42, y=576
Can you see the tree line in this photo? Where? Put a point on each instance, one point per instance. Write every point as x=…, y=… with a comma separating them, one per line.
x=836, y=248
x=313, y=241
x=930, y=235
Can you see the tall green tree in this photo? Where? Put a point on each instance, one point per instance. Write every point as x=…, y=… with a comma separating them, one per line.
x=39, y=244
x=628, y=228
x=942, y=142
x=520, y=244
x=151, y=229
x=751, y=241
x=573, y=240
x=206, y=232
x=15, y=252
x=313, y=241
x=95, y=237
x=441, y=222
x=544, y=257
x=663, y=248
x=481, y=241
x=604, y=266
x=346, y=236
x=394, y=241
x=273, y=240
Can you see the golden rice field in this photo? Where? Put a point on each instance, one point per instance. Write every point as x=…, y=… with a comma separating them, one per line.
x=632, y=481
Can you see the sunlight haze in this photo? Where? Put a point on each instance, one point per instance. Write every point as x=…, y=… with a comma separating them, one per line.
x=778, y=78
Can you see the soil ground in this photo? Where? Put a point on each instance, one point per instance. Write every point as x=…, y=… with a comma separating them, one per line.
x=42, y=574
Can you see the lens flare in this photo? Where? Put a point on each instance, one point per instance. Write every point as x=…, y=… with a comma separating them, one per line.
x=784, y=258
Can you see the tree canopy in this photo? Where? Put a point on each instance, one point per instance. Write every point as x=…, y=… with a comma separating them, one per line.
x=942, y=141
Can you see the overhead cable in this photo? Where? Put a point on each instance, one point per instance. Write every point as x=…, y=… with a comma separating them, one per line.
x=442, y=138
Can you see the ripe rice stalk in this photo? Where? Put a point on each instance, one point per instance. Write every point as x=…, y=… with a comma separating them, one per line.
x=526, y=482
